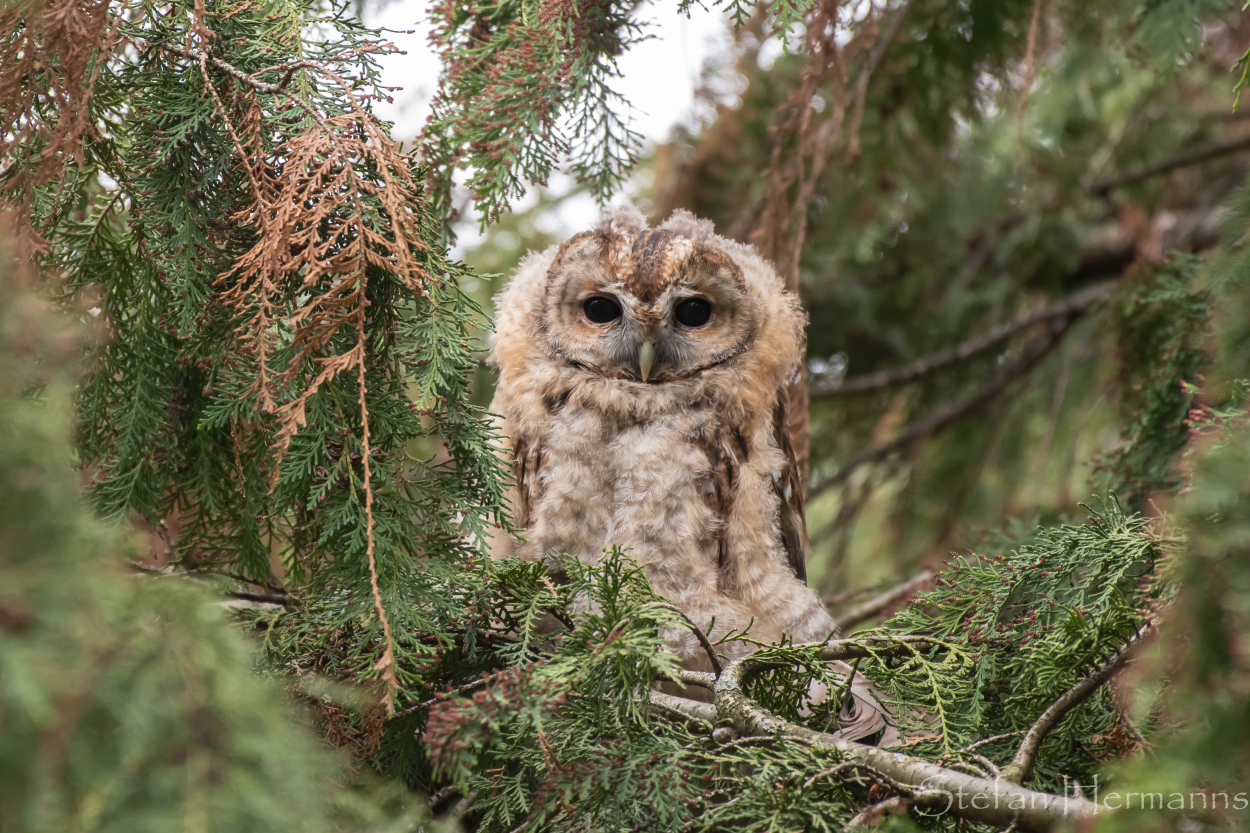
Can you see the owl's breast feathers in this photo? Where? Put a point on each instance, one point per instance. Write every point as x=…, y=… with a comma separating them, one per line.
x=758, y=449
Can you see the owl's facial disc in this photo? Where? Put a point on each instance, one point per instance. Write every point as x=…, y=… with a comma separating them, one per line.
x=651, y=307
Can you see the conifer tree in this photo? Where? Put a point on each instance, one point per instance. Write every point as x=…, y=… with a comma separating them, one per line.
x=279, y=390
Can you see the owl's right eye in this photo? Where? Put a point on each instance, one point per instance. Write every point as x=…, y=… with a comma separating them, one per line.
x=601, y=310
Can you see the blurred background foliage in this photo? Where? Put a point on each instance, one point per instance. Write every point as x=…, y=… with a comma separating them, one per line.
x=132, y=705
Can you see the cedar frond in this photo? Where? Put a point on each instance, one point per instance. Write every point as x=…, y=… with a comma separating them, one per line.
x=332, y=206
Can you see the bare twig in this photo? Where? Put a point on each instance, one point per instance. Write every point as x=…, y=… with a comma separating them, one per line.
x=1020, y=765
x=442, y=695
x=1027, y=83
x=1193, y=156
x=1032, y=353
x=263, y=598
x=865, y=75
x=698, y=679
x=276, y=595
x=991, y=739
x=989, y=765
x=867, y=610
x=826, y=772
x=844, y=596
x=874, y=814
x=712, y=656
x=1077, y=302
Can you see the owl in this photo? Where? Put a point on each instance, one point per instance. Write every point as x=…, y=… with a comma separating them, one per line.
x=642, y=394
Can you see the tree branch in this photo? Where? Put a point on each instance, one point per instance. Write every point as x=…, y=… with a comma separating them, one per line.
x=442, y=695
x=1031, y=355
x=1193, y=156
x=276, y=595
x=697, y=679
x=1077, y=302
x=928, y=785
x=1020, y=765
x=867, y=610
x=712, y=656
x=672, y=707
x=263, y=598
x=874, y=814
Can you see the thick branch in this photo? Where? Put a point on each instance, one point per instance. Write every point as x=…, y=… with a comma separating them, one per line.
x=1031, y=355
x=936, y=789
x=878, y=603
x=1193, y=156
x=1020, y=765
x=1077, y=302
x=679, y=708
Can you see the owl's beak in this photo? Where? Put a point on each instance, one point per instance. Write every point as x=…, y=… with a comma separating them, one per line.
x=646, y=358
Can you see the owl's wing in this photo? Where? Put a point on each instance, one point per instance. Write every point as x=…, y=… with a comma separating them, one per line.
x=789, y=486
x=527, y=462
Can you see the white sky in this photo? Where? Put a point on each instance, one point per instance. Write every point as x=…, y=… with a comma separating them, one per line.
x=659, y=77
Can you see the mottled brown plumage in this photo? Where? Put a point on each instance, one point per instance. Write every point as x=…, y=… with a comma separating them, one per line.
x=642, y=392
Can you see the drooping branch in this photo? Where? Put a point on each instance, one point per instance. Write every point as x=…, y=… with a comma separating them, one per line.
x=1077, y=302
x=1020, y=765
x=1033, y=352
x=330, y=207
x=935, y=789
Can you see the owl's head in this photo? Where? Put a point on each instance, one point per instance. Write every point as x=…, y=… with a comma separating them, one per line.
x=646, y=305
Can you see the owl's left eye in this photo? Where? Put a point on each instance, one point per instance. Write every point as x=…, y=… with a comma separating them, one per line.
x=693, y=312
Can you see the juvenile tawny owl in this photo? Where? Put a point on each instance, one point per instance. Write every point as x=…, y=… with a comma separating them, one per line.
x=642, y=385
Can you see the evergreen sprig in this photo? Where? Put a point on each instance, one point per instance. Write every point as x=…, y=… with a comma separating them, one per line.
x=523, y=85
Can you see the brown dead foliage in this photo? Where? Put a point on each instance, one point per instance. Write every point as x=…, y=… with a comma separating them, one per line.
x=333, y=201
x=51, y=55
x=330, y=206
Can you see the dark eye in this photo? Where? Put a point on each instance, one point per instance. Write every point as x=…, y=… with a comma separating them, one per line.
x=601, y=310
x=693, y=312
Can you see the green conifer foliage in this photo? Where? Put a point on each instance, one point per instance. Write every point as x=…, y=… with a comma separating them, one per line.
x=281, y=383
x=523, y=85
x=128, y=704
